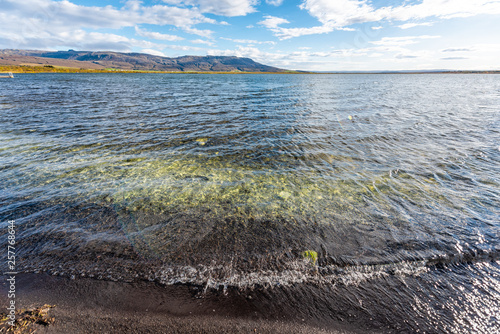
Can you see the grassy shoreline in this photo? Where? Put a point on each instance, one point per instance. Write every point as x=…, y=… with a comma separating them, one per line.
x=60, y=69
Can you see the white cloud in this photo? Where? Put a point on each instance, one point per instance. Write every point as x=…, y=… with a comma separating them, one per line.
x=444, y=9
x=294, y=60
x=66, y=14
x=389, y=57
x=37, y=23
x=202, y=41
x=414, y=56
x=183, y=48
x=477, y=56
x=411, y=25
x=272, y=22
x=338, y=14
x=156, y=35
x=405, y=56
x=400, y=41
x=304, y=59
x=153, y=52
x=82, y=40
x=61, y=25
x=457, y=50
x=247, y=41
x=200, y=32
x=286, y=33
x=227, y=7
x=166, y=15
x=241, y=51
x=219, y=7
x=454, y=58
x=274, y=2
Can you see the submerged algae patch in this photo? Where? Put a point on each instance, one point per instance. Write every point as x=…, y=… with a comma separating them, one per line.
x=176, y=183
x=202, y=141
x=192, y=182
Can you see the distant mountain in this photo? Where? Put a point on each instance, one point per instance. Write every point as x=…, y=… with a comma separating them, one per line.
x=132, y=61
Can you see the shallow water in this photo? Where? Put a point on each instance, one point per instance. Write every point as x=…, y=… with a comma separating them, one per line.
x=225, y=181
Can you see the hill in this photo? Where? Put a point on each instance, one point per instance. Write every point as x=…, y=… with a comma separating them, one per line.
x=131, y=61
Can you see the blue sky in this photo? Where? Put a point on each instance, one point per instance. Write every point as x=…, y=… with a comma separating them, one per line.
x=327, y=35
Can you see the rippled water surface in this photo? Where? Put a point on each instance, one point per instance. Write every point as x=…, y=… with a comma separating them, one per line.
x=226, y=181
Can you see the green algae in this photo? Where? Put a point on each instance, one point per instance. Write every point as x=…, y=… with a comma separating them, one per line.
x=175, y=183
x=219, y=184
x=311, y=255
x=202, y=141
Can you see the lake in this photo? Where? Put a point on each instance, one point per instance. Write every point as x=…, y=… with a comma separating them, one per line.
x=376, y=195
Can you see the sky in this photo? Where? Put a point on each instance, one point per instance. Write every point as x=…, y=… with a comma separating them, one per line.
x=316, y=35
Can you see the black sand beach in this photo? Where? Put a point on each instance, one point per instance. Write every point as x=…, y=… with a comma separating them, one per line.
x=93, y=306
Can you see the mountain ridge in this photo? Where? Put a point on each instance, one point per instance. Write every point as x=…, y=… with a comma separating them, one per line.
x=132, y=61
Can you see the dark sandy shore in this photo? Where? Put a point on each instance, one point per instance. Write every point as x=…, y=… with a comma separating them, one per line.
x=85, y=305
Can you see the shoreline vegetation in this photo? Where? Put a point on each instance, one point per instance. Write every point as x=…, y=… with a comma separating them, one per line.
x=61, y=69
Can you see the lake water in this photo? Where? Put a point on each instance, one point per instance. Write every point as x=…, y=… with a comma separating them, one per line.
x=225, y=181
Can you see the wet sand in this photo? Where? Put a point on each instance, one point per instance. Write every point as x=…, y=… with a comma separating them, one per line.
x=85, y=305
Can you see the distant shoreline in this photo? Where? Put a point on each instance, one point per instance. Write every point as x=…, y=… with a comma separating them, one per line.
x=21, y=69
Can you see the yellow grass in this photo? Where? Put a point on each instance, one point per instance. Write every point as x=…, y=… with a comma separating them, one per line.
x=35, y=68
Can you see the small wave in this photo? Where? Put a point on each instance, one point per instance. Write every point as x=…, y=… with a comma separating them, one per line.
x=298, y=272
x=221, y=276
